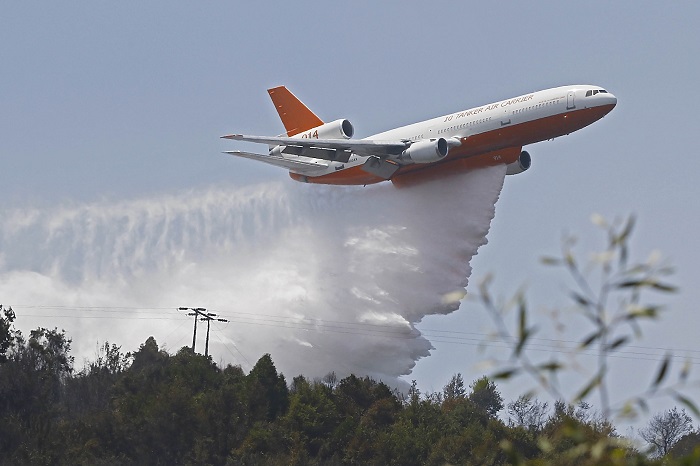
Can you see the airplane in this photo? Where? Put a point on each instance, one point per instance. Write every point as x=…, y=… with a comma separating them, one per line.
x=492, y=134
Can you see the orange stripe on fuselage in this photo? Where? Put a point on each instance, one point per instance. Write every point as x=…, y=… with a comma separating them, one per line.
x=454, y=166
x=502, y=145
x=347, y=176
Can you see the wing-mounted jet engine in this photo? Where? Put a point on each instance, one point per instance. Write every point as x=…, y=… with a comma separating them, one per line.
x=522, y=164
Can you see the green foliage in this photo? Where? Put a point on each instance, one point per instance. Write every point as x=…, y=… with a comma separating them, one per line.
x=688, y=447
x=528, y=412
x=7, y=317
x=158, y=408
x=152, y=407
x=612, y=302
x=609, y=296
x=454, y=390
x=268, y=393
x=31, y=387
x=485, y=396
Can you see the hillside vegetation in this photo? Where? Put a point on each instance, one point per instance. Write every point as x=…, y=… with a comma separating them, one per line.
x=152, y=407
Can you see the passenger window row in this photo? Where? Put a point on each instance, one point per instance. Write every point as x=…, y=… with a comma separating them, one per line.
x=464, y=125
x=545, y=104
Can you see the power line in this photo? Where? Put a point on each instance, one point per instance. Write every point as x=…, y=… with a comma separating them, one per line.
x=317, y=322
x=377, y=330
x=236, y=348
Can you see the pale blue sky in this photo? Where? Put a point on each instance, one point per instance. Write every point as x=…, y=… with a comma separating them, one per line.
x=119, y=101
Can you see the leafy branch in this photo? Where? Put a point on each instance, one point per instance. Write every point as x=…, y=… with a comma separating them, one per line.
x=614, y=305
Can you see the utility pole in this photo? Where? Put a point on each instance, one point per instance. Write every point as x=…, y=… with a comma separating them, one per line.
x=200, y=313
x=196, y=312
x=209, y=317
x=206, y=346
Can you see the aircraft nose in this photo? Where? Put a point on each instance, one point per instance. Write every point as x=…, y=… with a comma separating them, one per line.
x=611, y=99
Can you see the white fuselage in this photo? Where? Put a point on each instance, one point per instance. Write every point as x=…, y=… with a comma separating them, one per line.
x=494, y=117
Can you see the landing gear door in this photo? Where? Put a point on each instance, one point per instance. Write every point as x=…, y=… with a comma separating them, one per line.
x=379, y=167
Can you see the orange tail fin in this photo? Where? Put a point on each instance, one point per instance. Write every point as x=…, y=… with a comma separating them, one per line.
x=296, y=117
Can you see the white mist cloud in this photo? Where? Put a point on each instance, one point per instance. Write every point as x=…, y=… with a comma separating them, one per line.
x=323, y=278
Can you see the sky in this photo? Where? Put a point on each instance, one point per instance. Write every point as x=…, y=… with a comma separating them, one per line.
x=120, y=106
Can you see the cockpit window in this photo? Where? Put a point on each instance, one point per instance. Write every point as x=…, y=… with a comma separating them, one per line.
x=596, y=91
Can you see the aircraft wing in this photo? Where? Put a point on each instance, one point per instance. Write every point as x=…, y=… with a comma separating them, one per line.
x=328, y=149
x=298, y=166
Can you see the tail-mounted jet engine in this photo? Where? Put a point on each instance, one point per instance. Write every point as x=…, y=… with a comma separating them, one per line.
x=338, y=129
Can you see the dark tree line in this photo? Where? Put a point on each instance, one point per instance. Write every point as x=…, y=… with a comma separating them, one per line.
x=152, y=407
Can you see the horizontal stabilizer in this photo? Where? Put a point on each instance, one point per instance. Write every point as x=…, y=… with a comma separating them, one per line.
x=334, y=155
x=298, y=166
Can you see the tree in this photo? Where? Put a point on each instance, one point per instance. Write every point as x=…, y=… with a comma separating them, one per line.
x=311, y=418
x=91, y=389
x=330, y=380
x=485, y=396
x=268, y=395
x=162, y=409
x=148, y=356
x=7, y=317
x=31, y=385
x=665, y=429
x=50, y=351
x=110, y=360
x=454, y=389
x=687, y=445
x=528, y=412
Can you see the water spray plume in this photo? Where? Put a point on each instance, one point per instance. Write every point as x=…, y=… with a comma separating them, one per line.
x=323, y=278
